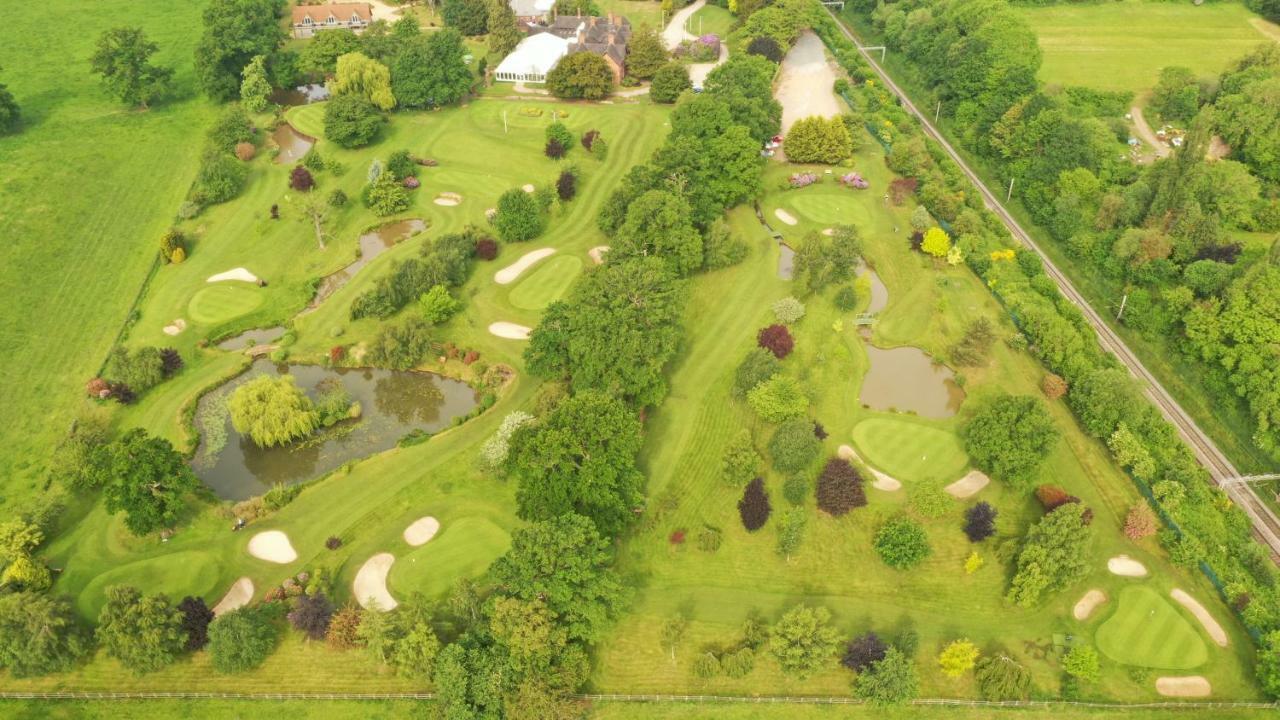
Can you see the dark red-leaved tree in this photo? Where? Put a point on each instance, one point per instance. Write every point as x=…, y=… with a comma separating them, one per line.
x=777, y=340
x=901, y=189
x=300, y=179
x=555, y=149
x=567, y=185
x=170, y=361
x=840, y=488
x=864, y=650
x=196, y=617
x=589, y=138
x=917, y=240
x=486, y=248
x=311, y=615
x=1053, y=497
x=754, y=506
x=980, y=522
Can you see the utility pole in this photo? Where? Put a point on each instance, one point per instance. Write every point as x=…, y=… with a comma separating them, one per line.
x=1122, y=304
x=505, y=130
x=937, y=112
x=1010, y=193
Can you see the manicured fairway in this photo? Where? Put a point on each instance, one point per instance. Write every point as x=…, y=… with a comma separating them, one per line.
x=185, y=573
x=463, y=548
x=827, y=205
x=546, y=283
x=1123, y=45
x=1148, y=631
x=222, y=302
x=909, y=450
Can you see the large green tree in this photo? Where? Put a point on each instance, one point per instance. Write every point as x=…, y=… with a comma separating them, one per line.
x=241, y=639
x=803, y=640
x=582, y=75
x=580, y=459
x=565, y=563
x=646, y=53
x=123, y=59
x=1009, y=437
x=143, y=632
x=615, y=332
x=272, y=411
x=431, y=70
x=255, y=89
x=659, y=225
x=891, y=680
x=1054, y=555
x=363, y=76
x=39, y=634
x=148, y=481
x=351, y=121
x=504, y=36
x=320, y=54
x=235, y=31
x=469, y=17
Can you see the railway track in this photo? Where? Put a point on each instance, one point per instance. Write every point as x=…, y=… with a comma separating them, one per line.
x=1266, y=526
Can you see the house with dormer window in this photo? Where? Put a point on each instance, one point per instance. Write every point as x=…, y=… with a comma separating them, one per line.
x=310, y=19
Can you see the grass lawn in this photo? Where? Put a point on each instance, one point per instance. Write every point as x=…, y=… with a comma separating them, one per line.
x=1148, y=631
x=546, y=283
x=712, y=20
x=223, y=302
x=639, y=12
x=86, y=190
x=910, y=450
x=463, y=548
x=1122, y=45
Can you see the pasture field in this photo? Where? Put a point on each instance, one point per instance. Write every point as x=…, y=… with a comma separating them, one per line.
x=86, y=189
x=928, y=307
x=1122, y=45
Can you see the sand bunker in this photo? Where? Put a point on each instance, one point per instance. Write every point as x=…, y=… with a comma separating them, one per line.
x=1125, y=566
x=969, y=485
x=785, y=216
x=829, y=231
x=237, y=274
x=1087, y=604
x=510, y=330
x=421, y=531
x=370, y=585
x=238, y=596
x=527, y=188
x=508, y=274
x=1211, y=625
x=272, y=546
x=597, y=253
x=176, y=327
x=448, y=199
x=1190, y=686
x=881, y=481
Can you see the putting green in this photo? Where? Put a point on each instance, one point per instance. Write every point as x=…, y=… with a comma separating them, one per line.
x=223, y=302
x=546, y=283
x=463, y=548
x=910, y=452
x=830, y=207
x=184, y=573
x=1148, y=631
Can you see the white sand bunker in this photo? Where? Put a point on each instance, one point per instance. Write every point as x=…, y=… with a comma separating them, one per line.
x=1211, y=625
x=881, y=481
x=527, y=188
x=448, y=199
x=421, y=531
x=969, y=485
x=510, y=330
x=238, y=596
x=175, y=327
x=370, y=585
x=829, y=231
x=1087, y=604
x=1125, y=566
x=508, y=274
x=597, y=253
x=236, y=274
x=1189, y=686
x=785, y=216
x=272, y=546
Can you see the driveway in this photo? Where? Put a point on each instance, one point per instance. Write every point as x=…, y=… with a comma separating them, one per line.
x=806, y=83
x=1144, y=132
x=675, y=33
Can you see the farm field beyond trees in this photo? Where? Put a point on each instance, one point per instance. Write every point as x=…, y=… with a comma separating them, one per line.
x=1123, y=45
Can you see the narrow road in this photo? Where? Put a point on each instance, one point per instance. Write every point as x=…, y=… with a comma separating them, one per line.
x=1265, y=524
x=1144, y=132
x=674, y=33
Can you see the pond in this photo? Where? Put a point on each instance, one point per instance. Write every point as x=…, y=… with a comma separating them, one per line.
x=393, y=403
x=301, y=95
x=786, y=262
x=249, y=338
x=908, y=379
x=879, y=293
x=293, y=144
x=372, y=244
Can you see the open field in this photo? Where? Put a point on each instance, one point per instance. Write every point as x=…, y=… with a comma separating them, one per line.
x=86, y=190
x=1122, y=45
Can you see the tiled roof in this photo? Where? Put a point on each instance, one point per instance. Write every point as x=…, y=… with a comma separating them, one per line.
x=343, y=12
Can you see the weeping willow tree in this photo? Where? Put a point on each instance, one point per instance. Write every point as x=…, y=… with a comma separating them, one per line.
x=272, y=411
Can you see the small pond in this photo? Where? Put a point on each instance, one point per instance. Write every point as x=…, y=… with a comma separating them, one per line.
x=786, y=262
x=393, y=403
x=301, y=95
x=908, y=379
x=249, y=338
x=372, y=244
x=879, y=293
x=293, y=144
